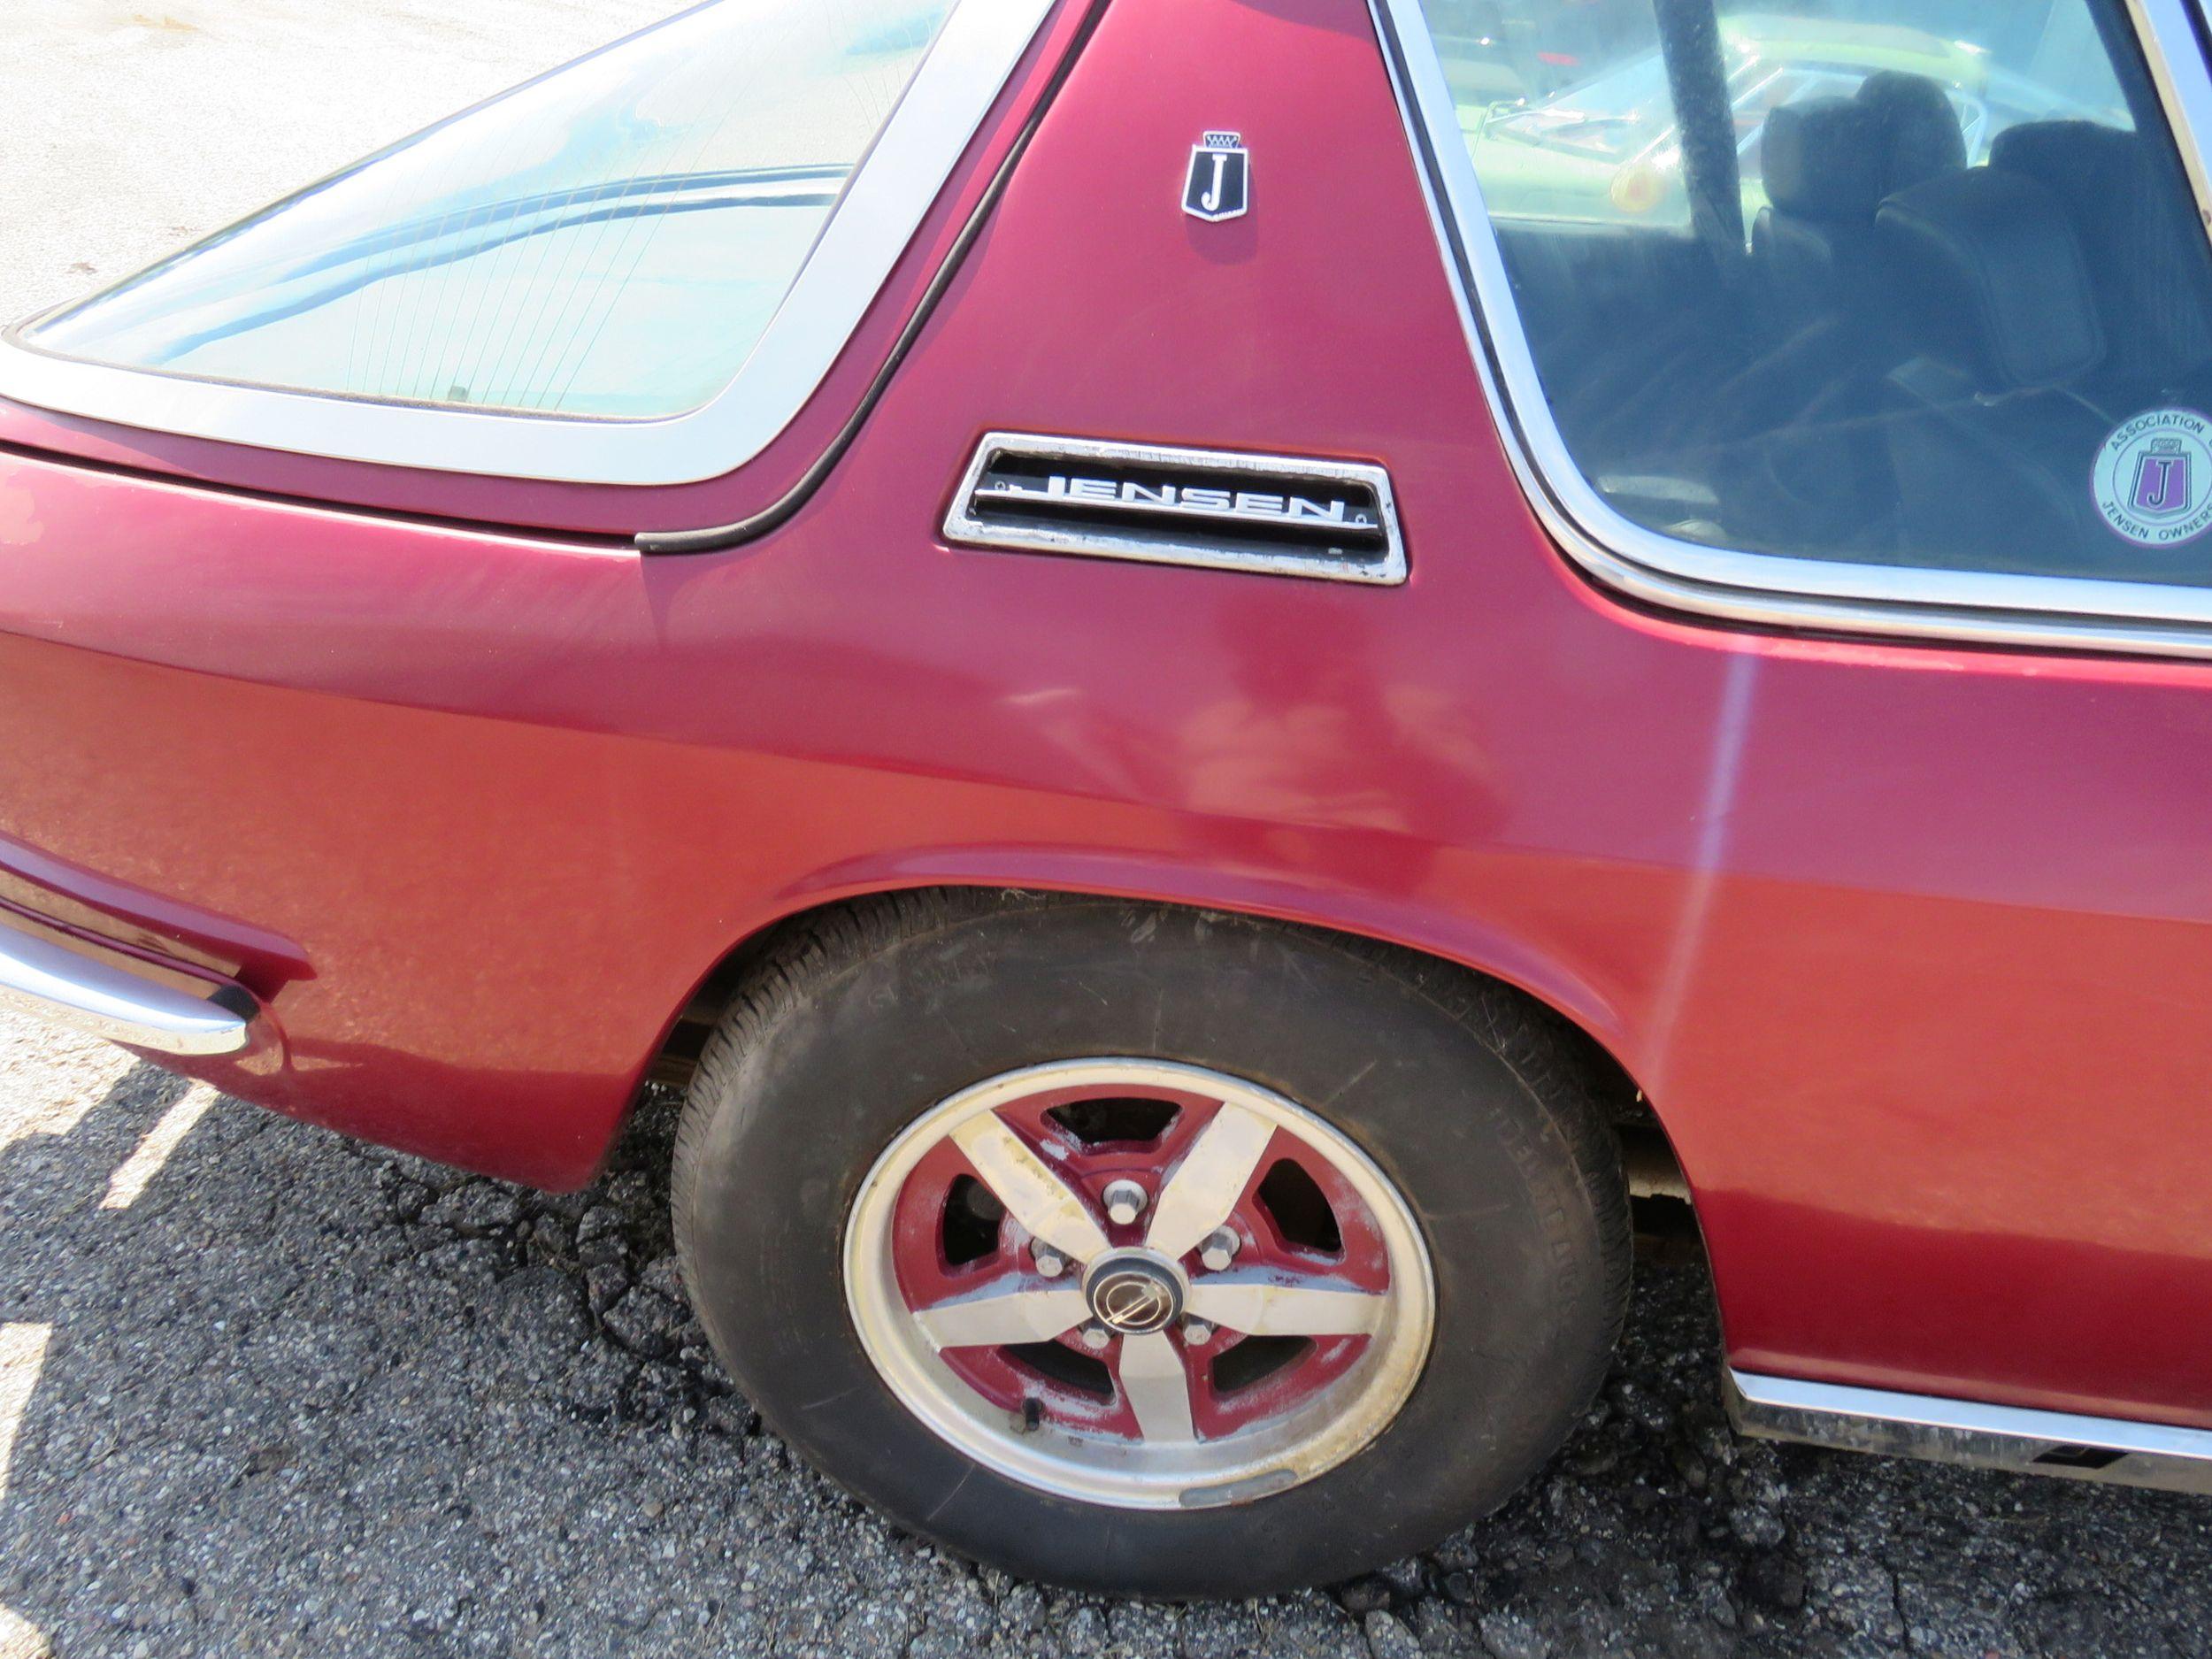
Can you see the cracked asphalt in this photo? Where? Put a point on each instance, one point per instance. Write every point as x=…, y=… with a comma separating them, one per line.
x=300, y=1396
x=262, y=1391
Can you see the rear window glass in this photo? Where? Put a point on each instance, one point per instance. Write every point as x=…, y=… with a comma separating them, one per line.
x=610, y=239
x=1915, y=282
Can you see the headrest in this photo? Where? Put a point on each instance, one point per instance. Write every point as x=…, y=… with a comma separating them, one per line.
x=1919, y=136
x=2082, y=160
x=1992, y=281
x=2135, y=216
x=1836, y=158
x=1818, y=158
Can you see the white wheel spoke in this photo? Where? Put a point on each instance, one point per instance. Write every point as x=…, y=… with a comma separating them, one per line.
x=1037, y=1198
x=1263, y=1307
x=1022, y=1314
x=1206, y=1185
x=1153, y=1380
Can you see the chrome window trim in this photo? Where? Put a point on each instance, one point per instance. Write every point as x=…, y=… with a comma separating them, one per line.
x=961, y=527
x=884, y=203
x=2075, y=613
x=2185, y=85
x=1971, y=1431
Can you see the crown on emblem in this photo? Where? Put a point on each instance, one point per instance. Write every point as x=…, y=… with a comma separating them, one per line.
x=1223, y=141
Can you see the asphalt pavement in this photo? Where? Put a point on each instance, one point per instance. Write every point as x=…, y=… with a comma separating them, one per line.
x=266, y=1392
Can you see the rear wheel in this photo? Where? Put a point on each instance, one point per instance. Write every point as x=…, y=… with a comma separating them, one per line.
x=1144, y=1250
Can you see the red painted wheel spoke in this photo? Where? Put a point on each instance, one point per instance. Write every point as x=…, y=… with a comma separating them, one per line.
x=1150, y=1374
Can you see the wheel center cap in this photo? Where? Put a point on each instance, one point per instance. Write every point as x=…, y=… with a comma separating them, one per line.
x=1133, y=1292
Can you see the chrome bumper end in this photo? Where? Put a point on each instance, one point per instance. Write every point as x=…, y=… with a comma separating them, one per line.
x=79, y=992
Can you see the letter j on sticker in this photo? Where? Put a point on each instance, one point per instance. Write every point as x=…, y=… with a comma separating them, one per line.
x=2162, y=478
x=2152, y=479
x=1220, y=182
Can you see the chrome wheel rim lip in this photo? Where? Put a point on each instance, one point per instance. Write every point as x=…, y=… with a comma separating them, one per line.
x=1271, y=1457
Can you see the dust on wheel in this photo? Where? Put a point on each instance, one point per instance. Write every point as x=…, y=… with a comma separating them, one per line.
x=1144, y=1250
x=1139, y=1283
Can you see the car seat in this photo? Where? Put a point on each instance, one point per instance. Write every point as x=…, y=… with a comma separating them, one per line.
x=1828, y=163
x=1993, y=438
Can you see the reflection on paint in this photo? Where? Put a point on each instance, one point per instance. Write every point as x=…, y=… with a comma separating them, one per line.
x=1724, y=777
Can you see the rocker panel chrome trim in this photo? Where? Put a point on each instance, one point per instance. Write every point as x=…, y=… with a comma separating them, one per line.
x=961, y=526
x=1969, y=1432
x=1762, y=589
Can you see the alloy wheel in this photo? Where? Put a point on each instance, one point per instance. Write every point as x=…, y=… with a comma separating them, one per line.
x=1139, y=1283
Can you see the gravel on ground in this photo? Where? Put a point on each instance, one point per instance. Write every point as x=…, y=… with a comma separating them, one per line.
x=301, y=1396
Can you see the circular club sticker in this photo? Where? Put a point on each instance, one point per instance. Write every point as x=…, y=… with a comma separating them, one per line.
x=2153, y=478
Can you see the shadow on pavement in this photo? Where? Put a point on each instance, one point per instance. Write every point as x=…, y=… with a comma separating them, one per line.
x=305, y=1397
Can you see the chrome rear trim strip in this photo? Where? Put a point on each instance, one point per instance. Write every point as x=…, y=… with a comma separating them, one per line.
x=1968, y=1432
x=63, y=988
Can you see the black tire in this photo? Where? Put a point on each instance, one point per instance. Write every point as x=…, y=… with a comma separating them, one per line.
x=859, y=1020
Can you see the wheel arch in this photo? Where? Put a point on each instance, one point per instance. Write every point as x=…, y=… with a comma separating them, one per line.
x=1579, y=1016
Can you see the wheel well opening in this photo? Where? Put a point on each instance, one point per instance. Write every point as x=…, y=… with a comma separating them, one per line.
x=1659, y=1194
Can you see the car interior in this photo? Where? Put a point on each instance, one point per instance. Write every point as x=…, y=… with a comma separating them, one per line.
x=1909, y=356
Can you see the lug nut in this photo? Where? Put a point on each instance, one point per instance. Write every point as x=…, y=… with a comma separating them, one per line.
x=1050, y=1261
x=1197, y=1333
x=1125, y=1201
x=1219, y=1249
x=1096, y=1336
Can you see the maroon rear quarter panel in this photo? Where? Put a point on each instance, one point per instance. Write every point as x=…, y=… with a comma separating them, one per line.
x=1907, y=945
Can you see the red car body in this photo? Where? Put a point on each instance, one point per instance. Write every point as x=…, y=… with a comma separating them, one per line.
x=1908, y=945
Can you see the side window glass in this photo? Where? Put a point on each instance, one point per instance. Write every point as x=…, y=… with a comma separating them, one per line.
x=1906, y=282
